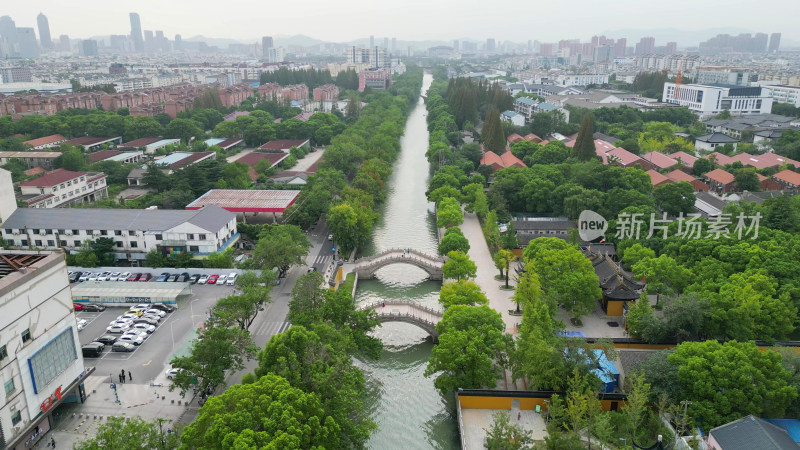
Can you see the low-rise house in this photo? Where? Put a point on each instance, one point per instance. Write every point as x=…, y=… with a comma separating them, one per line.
x=529, y=228
x=284, y=145
x=788, y=180
x=720, y=159
x=750, y=433
x=148, y=144
x=513, y=118
x=179, y=160
x=660, y=160
x=709, y=142
x=657, y=179
x=134, y=231
x=619, y=287
x=115, y=155
x=31, y=159
x=503, y=161
x=720, y=181
x=63, y=187
x=225, y=144
x=677, y=176
x=44, y=142
x=253, y=158
x=684, y=158
x=767, y=137
x=89, y=143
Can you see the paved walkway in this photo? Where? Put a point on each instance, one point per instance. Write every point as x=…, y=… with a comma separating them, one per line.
x=233, y=158
x=307, y=161
x=477, y=421
x=499, y=299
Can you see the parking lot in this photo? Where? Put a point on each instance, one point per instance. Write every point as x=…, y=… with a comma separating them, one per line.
x=173, y=336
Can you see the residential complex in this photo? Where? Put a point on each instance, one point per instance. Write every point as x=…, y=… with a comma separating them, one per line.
x=63, y=187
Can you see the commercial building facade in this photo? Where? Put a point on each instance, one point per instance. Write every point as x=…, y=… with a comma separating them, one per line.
x=63, y=187
x=708, y=100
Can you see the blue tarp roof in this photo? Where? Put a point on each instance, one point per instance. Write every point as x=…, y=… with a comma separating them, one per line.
x=572, y=333
x=792, y=426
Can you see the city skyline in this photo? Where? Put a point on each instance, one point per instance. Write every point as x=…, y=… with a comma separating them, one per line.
x=416, y=21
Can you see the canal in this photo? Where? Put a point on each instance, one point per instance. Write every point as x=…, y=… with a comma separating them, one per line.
x=409, y=411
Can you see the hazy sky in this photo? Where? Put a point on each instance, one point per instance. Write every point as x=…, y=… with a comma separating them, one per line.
x=344, y=20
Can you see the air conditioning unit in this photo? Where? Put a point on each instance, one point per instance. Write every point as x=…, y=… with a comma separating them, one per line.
x=68, y=233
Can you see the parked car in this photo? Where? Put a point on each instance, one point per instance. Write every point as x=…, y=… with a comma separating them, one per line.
x=142, y=306
x=93, y=307
x=134, y=277
x=114, y=276
x=213, y=279
x=84, y=276
x=155, y=317
x=136, y=310
x=77, y=306
x=173, y=278
x=145, y=277
x=311, y=270
x=194, y=278
x=118, y=328
x=129, y=316
x=93, y=276
x=163, y=277
x=330, y=237
x=123, y=276
x=231, y=279
x=203, y=279
x=107, y=339
x=155, y=311
x=82, y=324
x=93, y=349
x=146, y=320
x=172, y=372
x=123, y=347
x=222, y=279
x=145, y=327
x=136, y=332
x=135, y=340
x=104, y=276
x=163, y=307
x=74, y=276
x=184, y=277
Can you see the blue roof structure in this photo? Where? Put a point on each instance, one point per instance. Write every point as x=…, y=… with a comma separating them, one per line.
x=547, y=107
x=792, y=426
x=527, y=101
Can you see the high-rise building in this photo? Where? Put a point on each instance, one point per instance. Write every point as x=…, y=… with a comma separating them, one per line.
x=774, y=42
x=455, y=45
x=394, y=44
x=386, y=43
x=44, y=31
x=603, y=53
x=275, y=55
x=266, y=45
x=26, y=39
x=371, y=41
x=760, y=43
x=149, y=41
x=645, y=46
x=672, y=48
x=490, y=45
x=619, y=47
x=8, y=37
x=64, y=44
x=162, y=43
x=119, y=42
x=178, y=42
x=89, y=47
x=136, y=32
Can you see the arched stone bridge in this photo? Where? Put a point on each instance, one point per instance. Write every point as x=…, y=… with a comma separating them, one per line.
x=408, y=312
x=365, y=268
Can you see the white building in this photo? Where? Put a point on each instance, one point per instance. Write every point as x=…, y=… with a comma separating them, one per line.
x=667, y=62
x=513, y=118
x=134, y=232
x=62, y=187
x=8, y=203
x=40, y=354
x=709, y=142
x=584, y=79
x=131, y=84
x=710, y=100
x=784, y=94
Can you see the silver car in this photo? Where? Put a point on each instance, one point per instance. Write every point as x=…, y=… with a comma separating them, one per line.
x=135, y=340
x=155, y=311
x=144, y=327
x=136, y=332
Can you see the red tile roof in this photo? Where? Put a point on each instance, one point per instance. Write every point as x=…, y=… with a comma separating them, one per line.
x=102, y=154
x=53, y=178
x=509, y=160
x=620, y=155
x=283, y=144
x=227, y=143
x=514, y=138
x=141, y=142
x=720, y=176
x=656, y=178
x=45, y=140
x=87, y=140
x=533, y=138
x=251, y=159
x=686, y=159
x=491, y=158
x=679, y=175
x=659, y=160
x=720, y=159
x=196, y=156
x=764, y=161
x=788, y=176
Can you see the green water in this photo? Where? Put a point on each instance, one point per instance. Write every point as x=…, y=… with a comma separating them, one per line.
x=410, y=413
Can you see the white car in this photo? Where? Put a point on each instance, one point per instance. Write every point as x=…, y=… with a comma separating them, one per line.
x=136, y=332
x=85, y=276
x=155, y=311
x=135, y=340
x=142, y=306
x=82, y=324
x=172, y=372
x=123, y=276
x=155, y=317
x=145, y=327
x=93, y=276
x=118, y=328
x=130, y=316
x=203, y=279
x=221, y=280
x=103, y=276
x=121, y=321
x=114, y=276
x=231, y=280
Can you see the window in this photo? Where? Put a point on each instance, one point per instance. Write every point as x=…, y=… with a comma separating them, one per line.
x=48, y=231
x=159, y=237
x=9, y=386
x=69, y=183
x=194, y=248
x=52, y=359
x=3, y=353
x=62, y=243
x=119, y=244
x=103, y=233
x=37, y=242
x=74, y=231
x=26, y=335
x=51, y=243
x=10, y=242
x=117, y=233
x=16, y=418
x=62, y=186
x=76, y=243
x=190, y=237
x=203, y=237
x=134, y=244
x=24, y=242
x=131, y=233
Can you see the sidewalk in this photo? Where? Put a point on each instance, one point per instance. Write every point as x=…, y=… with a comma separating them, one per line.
x=499, y=299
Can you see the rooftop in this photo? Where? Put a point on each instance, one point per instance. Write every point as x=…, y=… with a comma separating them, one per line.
x=283, y=144
x=752, y=433
x=717, y=138
x=141, y=142
x=659, y=160
x=102, y=155
x=244, y=200
x=45, y=140
x=125, y=289
x=656, y=178
x=14, y=261
x=686, y=159
x=53, y=178
x=788, y=176
x=89, y=140
x=720, y=176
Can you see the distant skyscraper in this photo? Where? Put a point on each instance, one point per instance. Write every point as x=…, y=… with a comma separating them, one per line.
x=28, y=47
x=119, y=42
x=178, y=42
x=645, y=46
x=136, y=32
x=64, y=44
x=8, y=36
x=266, y=44
x=44, y=31
x=386, y=43
x=619, y=47
x=455, y=45
x=672, y=48
x=490, y=45
x=89, y=47
x=149, y=41
x=371, y=41
x=394, y=44
x=774, y=42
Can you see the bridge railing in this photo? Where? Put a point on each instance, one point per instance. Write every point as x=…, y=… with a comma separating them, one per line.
x=391, y=315
x=400, y=251
x=375, y=305
x=397, y=258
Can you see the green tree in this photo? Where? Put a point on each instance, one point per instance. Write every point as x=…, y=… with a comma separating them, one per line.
x=458, y=266
x=568, y=279
x=72, y=158
x=503, y=435
x=318, y=362
x=463, y=292
x=746, y=180
x=269, y=413
x=675, y=198
x=280, y=246
x=132, y=433
x=502, y=260
x=702, y=166
x=453, y=240
x=351, y=224
x=528, y=291
x=710, y=374
x=156, y=178
x=636, y=253
x=183, y=129
x=471, y=343
x=216, y=350
x=219, y=260
x=639, y=317
x=492, y=132
x=448, y=213
x=584, y=148
x=663, y=275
